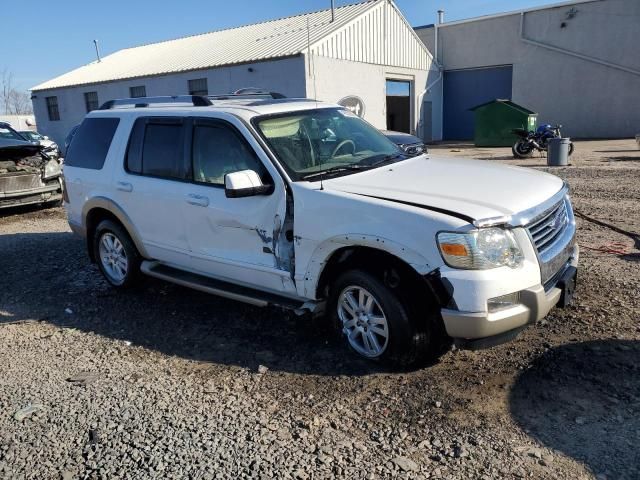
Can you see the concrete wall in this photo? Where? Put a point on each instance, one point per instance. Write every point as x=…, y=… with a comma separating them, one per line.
x=336, y=79
x=591, y=100
x=286, y=76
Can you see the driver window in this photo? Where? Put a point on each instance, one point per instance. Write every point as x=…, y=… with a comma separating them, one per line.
x=217, y=150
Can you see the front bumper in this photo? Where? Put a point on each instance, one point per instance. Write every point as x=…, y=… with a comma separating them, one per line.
x=491, y=328
x=50, y=192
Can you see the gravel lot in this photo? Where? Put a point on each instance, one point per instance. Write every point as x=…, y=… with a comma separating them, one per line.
x=171, y=383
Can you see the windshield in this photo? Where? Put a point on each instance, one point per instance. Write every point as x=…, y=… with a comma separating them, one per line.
x=32, y=135
x=330, y=140
x=6, y=132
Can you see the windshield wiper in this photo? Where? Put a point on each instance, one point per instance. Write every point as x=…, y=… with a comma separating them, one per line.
x=336, y=169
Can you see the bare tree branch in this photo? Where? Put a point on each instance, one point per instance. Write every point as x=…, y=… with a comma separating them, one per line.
x=12, y=100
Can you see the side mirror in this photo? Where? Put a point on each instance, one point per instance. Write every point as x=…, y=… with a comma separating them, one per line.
x=245, y=183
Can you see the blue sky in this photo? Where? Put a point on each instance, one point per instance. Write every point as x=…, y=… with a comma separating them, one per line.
x=45, y=39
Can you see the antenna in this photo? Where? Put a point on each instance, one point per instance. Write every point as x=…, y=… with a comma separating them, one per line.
x=95, y=42
x=333, y=10
x=312, y=72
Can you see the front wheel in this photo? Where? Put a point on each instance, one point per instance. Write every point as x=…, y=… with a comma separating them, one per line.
x=378, y=324
x=522, y=149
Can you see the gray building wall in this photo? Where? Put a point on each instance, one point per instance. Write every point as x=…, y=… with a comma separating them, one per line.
x=286, y=76
x=590, y=99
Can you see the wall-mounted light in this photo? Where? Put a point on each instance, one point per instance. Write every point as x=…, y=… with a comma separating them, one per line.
x=250, y=69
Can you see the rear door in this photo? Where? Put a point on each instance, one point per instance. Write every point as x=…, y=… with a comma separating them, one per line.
x=151, y=185
x=242, y=240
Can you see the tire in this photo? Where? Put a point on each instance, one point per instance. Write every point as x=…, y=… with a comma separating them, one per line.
x=116, y=255
x=402, y=338
x=521, y=149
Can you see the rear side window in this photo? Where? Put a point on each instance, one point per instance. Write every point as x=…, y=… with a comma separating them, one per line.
x=156, y=148
x=91, y=143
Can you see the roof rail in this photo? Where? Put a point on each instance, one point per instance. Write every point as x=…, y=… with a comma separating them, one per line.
x=169, y=101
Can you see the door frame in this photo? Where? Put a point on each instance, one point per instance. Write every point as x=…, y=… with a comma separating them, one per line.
x=403, y=77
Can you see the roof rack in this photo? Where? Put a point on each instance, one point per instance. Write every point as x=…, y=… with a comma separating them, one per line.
x=169, y=101
x=247, y=93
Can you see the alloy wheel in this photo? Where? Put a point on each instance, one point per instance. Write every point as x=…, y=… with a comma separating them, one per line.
x=363, y=321
x=113, y=257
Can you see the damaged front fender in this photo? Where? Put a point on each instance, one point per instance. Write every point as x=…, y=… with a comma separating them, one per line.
x=307, y=282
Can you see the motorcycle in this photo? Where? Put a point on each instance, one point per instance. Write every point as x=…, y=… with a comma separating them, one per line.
x=538, y=140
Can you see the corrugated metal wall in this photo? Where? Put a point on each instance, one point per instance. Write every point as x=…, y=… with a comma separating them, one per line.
x=380, y=36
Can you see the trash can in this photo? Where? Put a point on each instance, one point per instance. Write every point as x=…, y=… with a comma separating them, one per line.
x=558, y=152
x=495, y=120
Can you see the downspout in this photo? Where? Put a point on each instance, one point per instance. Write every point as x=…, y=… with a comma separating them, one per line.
x=438, y=66
x=587, y=58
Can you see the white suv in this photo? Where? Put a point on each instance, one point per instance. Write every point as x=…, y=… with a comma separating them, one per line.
x=304, y=205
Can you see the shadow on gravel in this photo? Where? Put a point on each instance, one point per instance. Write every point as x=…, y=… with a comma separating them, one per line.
x=23, y=209
x=44, y=274
x=583, y=399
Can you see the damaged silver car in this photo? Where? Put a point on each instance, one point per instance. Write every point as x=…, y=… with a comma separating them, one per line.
x=27, y=174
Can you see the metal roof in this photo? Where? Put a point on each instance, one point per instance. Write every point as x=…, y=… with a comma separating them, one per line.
x=271, y=39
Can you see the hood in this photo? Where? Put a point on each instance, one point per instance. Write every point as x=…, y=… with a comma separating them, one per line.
x=468, y=189
x=11, y=148
x=401, y=138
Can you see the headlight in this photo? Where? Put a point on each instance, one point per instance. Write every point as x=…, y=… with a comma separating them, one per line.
x=51, y=169
x=481, y=249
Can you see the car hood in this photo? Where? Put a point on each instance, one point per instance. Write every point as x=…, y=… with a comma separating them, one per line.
x=469, y=189
x=401, y=138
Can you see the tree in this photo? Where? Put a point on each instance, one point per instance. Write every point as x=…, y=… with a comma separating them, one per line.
x=12, y=100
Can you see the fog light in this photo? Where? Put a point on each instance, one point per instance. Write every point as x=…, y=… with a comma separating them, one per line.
x=505, y=301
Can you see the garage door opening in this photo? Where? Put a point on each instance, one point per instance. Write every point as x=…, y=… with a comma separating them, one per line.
x=399, y=106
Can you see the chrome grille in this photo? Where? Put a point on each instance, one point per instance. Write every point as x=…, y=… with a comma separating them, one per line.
x=548, y=227
x=19, y=182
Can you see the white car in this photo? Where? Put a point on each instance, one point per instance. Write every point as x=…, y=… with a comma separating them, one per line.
x=304, y=205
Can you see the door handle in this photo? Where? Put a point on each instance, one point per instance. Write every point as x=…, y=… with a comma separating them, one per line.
x=197, y=200
x=124, y=187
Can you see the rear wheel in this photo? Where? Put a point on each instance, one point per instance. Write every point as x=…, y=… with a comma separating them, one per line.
x=379, y=324
x=522, y=149
x=116, y=255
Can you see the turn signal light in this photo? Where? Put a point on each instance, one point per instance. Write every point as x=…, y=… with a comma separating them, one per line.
x=454, y=249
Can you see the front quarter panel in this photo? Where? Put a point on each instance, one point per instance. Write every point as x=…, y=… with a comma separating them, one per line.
x=327, y=220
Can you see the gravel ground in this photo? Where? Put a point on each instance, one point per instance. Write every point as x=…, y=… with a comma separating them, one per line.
x=171, y=383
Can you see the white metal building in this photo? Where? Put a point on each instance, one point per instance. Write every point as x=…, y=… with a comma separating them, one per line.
x=365, y=55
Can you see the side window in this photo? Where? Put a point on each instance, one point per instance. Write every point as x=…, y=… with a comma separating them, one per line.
x=217, y=150
x=91, y=143
x=156, y=148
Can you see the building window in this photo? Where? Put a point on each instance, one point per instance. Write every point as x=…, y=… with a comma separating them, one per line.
x=52, y=108
x=137, y=92
x=91, y=101
x=198, y=87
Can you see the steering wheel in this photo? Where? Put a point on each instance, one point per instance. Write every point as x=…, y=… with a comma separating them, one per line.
x=342, y=144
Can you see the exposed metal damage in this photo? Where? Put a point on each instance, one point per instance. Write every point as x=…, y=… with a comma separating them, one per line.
x=27, y=175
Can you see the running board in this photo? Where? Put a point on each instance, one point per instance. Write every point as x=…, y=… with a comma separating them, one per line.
x=217, y=287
